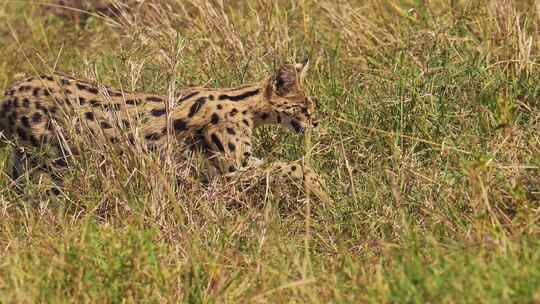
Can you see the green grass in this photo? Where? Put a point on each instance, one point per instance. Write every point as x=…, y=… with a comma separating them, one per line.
x=429, y=145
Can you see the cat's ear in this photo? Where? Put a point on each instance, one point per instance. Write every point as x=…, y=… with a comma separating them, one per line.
x=286, y=81
x=289, y=77
x=301, y=70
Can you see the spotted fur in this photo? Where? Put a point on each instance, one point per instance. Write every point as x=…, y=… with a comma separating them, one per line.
x=217, y=122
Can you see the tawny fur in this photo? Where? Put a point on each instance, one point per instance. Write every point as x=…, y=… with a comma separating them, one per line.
x=218, y=122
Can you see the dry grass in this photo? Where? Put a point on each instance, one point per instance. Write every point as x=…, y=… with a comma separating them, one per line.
x=429, y=146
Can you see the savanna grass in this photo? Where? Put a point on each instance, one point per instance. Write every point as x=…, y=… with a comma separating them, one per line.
x=429, y=146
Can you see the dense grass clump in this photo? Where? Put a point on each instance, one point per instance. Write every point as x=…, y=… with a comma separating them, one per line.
x=429, y=146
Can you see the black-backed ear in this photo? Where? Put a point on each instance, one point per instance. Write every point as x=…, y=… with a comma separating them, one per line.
x=285, y=79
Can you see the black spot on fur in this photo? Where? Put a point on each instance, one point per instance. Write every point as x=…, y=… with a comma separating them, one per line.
x=61, y=162
x=131, y=139
x=46, y=77
x=92, y=90
x=264, y=116
x=6, y=107
x=64, y=81
x=211, y=97
x=15, y=102
x=215, y=119
x=84, y=87
x=13, y=117
x=25, y=88
x=26, y=103
x=82, y=101
x=179, y=125
x=152, y=136
x=94, y=102
x=231, y=131
x=154, y=99
x=196, y=142
x=105, y=125
x=113, y=93
x=278, y=117
x=188, y=96
x=293, y=168
x=36, y=117
x=152, y=147
x=25, y=121
x=133, y=102
x=33, y=141
x=124, y=124
x=232, y=147
x=233, y=112
x=246, y=122
x=114, y=140
x=53, y=109
x=220, y=107
x=239, y=97
x=89, y=115
x=196, y=106
x=35, y=92
x=112, y=106
x=202, y=144
x=247, y=154
x=217, y=142
x=22, y=134
x=158, y=111
x=47, y=92
x=232, y=169
x=38, y=105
